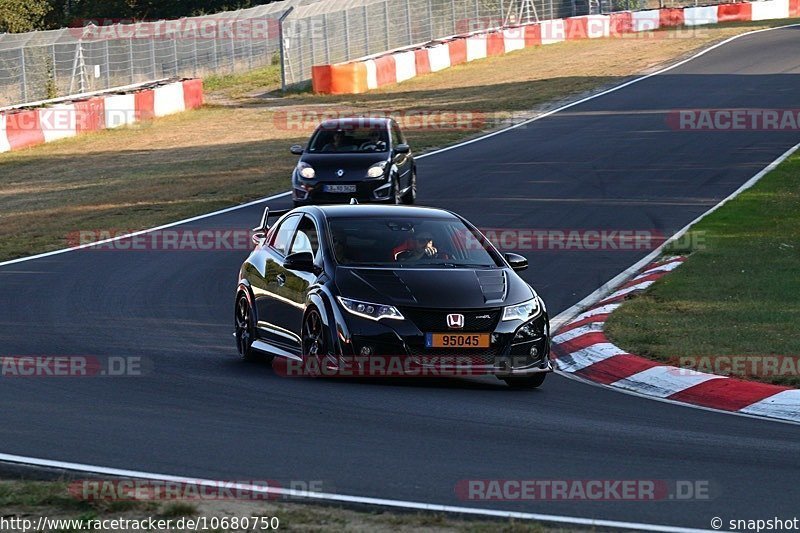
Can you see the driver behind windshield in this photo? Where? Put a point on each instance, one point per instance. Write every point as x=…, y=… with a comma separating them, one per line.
x=337, y=144
x=420, y=246
x=375, y=142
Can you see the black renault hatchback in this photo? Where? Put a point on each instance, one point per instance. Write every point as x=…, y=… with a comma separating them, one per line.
x=363, y=158
x=389, y=291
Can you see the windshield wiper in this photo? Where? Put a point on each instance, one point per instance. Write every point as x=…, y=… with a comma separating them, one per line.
x=357, y=265
x=456, y=265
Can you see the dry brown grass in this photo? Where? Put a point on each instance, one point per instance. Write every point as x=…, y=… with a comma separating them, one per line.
x=32, y=499
x=235, y=150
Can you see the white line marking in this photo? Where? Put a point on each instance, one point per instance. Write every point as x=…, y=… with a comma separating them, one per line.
x=663, y=381
x=787, y=403
x=598, y=295
x=763, y=418
x=150, y=230
x=593, y=327
x=627, y=290
x=668, y=267
x=603, y=93
x=560, y=319
x=595, y=311
x=428, y=154
x=324, y=496
x=580, y=359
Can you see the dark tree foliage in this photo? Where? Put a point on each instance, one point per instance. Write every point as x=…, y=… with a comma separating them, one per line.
x=22, y=15
x=71, y=12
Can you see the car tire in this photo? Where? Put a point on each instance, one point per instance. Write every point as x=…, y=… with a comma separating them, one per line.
x=245, y=329
x=397, y=198
x=528, y=382
x=315, y=343
x=411, y=194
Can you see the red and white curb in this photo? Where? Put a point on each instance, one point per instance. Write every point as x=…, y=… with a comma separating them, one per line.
x=581, y=348
x=395, y=66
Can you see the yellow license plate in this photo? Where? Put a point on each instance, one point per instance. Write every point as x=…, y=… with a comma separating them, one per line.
x=457, y=340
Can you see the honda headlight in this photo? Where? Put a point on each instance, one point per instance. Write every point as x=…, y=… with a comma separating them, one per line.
x=377, y=170
x=306, y=171
x=370, y=310
x=524, y=311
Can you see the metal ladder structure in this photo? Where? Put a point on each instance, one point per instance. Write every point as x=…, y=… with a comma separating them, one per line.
x=522, y=12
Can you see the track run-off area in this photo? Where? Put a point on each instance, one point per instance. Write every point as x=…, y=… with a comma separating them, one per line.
x=612, y=162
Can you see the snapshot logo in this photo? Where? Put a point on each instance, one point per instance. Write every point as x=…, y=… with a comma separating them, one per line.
x=72, y=366
x=745, y=366
x=185, y=240
x=94, y=490
x=195, y=28
x=734, y=119
x=604, y=490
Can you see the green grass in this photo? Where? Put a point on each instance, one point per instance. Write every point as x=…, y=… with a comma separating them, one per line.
x=179, y=509
x=238, y=85
x=52, y=499
x=236, y=148
x=32, y=495
x=739, y=291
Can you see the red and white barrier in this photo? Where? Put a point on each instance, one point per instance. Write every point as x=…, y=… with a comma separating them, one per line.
x=581, y=348
x=120, y=110
x=405, y=65
x=58, y=122
x=476, y=47
x=598, y=26
x=370, y=73
x=24, y=128
x=553, y=31
x=168, y=100
x=699, y=16
x=439, y=57
x=514, y=38
x=646, y=20
x=4, y=144
x=770, y=9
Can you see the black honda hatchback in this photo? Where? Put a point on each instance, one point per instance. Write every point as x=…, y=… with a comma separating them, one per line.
x=363, y=158
x=389, y=290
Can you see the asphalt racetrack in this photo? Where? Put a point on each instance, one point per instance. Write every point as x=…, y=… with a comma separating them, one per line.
x=610, y=163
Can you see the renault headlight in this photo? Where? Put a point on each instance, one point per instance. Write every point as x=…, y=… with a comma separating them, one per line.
x=370, y=310
x=524, y=311
x=377, y=170
x=306, y=171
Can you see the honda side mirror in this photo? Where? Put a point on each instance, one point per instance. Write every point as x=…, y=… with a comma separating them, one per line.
x=517, y=262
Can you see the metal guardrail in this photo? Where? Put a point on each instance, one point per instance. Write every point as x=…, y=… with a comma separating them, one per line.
x=45, y=65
